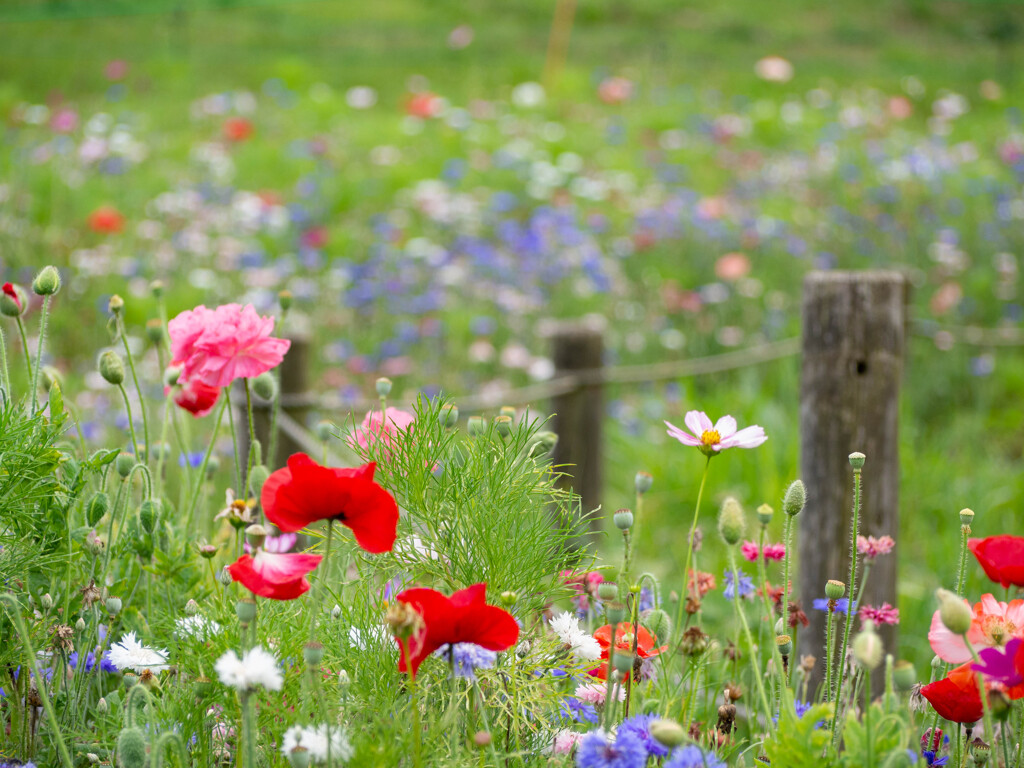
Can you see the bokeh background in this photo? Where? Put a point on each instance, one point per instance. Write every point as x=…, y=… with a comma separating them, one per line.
x=434, y=181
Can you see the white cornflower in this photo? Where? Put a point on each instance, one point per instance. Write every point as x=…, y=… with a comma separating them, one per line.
x=129, y=653
x=256, y=667
x=196, y=627
x=315, y=740
x=567, y=628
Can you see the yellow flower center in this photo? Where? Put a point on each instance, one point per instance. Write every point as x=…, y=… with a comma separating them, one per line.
x=998, y=629
x=710, y=437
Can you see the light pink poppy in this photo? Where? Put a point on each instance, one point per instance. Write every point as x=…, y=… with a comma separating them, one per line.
x=220, y=345
x=994, y=624
x=383, y=427
x=713, y=438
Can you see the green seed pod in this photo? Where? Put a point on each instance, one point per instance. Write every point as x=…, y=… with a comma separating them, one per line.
x=966, y=516
x=155, y=331
x=904, y=675
x=111, y=367
x=764, y=514
x=623, y=519
x=157, y=288
x=507, y=410
x=658, y=623
x=543, y=444
x=642, y=482
x=448, y=416
x=313, y=653
x=97, y=507
x=265, y=386
x=256, y=535
x=383, y=386
x=668, y=732
x=131, y=748
x=13, y=300
x=509, y=598
x=623, y=662
x=245, y=609
x=795, y=498
x=476, y=425
x=616, y=613
x=116, y=305
x=298, y=757
x=285, y=298
x=785, y=644
x=857, y=459
x=323, y=430
x=954, y=612
x=730, y=521
x=504, y=425
x=149, y=514
x=257, y=477
x=834, y=589
x=113, y=606
x=608, y=590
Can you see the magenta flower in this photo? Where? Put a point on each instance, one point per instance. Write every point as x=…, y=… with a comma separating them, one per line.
x=714, y=438
x=383, y=428
x=871, y=547
x=749, y=550
x=883, y=614
x=217, y=346
x=1003, y=665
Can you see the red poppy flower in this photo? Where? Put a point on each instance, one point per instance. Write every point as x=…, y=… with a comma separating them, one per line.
x=237, y=129
x=955, y=697
x=304, y=492
x=12, y=293
x=195, y=396
x=423, y=105
x=1002, y=557
x=624, y=638
x=106, y=220
x=465, y=617
x=278, y=577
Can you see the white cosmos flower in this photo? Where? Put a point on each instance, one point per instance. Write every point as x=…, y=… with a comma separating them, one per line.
x=196, y=627
x=315, y=740
x=256, y=667
x=129, y=653
x=567, y=628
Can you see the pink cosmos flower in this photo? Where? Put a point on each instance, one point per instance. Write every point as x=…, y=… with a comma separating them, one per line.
x=994, y=624
x=871, y=547
x=883, y=614
x=383, y=428
x=771, y=551
x=711, y=439
x=217, y=346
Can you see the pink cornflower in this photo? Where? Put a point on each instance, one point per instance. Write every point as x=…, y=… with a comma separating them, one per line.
x=220, y=345
x=883, y=614
x=871, y=547
x=749, y=550
x=712, y=438
x=383, y=428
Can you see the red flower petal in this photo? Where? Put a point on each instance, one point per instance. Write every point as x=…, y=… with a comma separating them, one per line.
x=955, y=697
x=1002, y=557
x=196, y=397
x=278, y=577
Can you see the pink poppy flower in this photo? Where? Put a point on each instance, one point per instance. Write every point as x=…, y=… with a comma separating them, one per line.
x=883, y=614
x=871, y=547
x=277, y=577
x=994, y=624
x=749, y=550
x=714, y=438
x=383, y=428
x=220, y=345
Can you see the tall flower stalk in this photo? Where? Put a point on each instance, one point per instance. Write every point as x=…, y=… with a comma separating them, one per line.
x=857, y=462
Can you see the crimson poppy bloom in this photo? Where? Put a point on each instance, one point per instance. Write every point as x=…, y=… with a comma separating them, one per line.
x=955, y=697
x=106, y=220
x=625, y=634
x=465, y=617
x=278, y=577
x=237, y=129
x=304, y=492
x=195, y=396
x=12, y=293
x=1002, y=557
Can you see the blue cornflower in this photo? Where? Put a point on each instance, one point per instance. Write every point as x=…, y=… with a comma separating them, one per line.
x=745, y=585
x=646, y=599
x=194, y=459
x=574, y=709
x=842, y=604
x=90, y=660
x=931, y=759
x=468, y=658
x=801, y=708
x=640, y=726
x=596, y=751
x=691, y=756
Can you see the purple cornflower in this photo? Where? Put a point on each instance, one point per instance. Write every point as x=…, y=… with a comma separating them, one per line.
x=597, y=751
x=574, y=709
x=691, y=756
x=467, y=658
x=640, y=726
x=842, y=604
x=743, y=584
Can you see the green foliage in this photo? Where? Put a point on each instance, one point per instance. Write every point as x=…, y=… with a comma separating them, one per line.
x=888, y=738
x=131, y=748
x=798, y=742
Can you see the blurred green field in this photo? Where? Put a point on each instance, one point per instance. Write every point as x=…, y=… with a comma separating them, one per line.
x=961, y=434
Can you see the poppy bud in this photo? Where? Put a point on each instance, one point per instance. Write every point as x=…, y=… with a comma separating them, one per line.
x=224, y=577
x=730, y=521
x=508, y=598
x=115, y=305
x=97, y=507
x=904, y=675
x=857, y=460
x=623, y=519
x=245, y=610
x=155, y=331
x=834, y=589
x=113, y=606
x=383, y=386
x=149, y=512
x=795, y=498
x=344, y=681
x=51, y=377
x=111, y=367
x=785, y=644
x=313, y=653
x=867, y=647
x=46, y=601
x=212, y=465
x=157, y=288
x=47, y=282
x=448, y=416
x=481, y=739
x=131, y=748
x=608, y=590
x=543, y=444
x=476, y=425
x=80, y=625
x=102, y=706
x=623, y=662
x=966, y=516
x=764, y=514
x=504, y=425
x=954, y=612
x=285, y=298
x=323, y=430
x=659, y=623
x=616, y=613
x=191, y=608
x=298, y=757
x=667, y=732
x=642, y=482
x=92, y=757
x=13, y=300
x=257, y=477
x=265, y=385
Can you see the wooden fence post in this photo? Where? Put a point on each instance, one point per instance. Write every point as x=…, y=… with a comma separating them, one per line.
x=577, y=347
x=853, y=337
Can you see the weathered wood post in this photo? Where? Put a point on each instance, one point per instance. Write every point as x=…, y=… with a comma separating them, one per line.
x=578, y=350
x=853, y=335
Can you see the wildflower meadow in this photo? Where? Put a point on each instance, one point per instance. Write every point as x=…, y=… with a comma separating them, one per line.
x=426, y=385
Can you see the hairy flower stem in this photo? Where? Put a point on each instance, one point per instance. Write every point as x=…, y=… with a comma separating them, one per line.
x=202, y=467
x=131, y=425
x=830, y=652
x=234, y=444
x=5, y=374
x=787, y=536
x=869, y=740
x=853, y=591
x=14, y=611
x=39, y=352
x=248, y=730
x=321, y=584
x=689, y=551
x=24, y=348
x=138, y=389
x=750, y=640
x=253, y=444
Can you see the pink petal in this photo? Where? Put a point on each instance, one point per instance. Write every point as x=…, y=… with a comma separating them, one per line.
x=748, y=437
x=947, y=646
x=725, y=427
x=698, y=422
x=683, y=437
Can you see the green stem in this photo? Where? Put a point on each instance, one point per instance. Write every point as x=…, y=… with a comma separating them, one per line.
x=979, y=679
x=321, y=582
x=138, y=389
x=14, y=611
x=830, y=651
x=234, y=443
x=24, y=348
x=786, y=536
x=848, y=622
x=965, y=532
x=39, y=352
x=248, y=730
x=131, y=424
x=253, y=443
x=163, y=446
x=867, y=718
x=202, y=467
x=750, y=640
x=5, y=374
x=689, y=551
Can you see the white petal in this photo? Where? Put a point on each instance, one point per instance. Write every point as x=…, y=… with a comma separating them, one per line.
x=725, y=427
x=683, y=437
x=748, y=437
